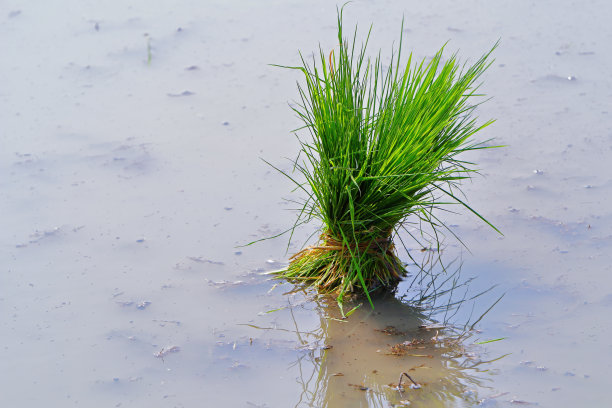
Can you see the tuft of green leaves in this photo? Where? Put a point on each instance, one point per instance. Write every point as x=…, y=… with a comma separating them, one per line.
x=384, y=150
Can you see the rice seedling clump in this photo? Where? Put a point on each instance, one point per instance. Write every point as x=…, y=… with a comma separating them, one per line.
x=382, y=152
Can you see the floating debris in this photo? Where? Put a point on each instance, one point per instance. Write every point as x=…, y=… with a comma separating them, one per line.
x=236, y=364
x=163, y=323
x=143, y=305
x=166, y=350
x=520, y=402
x=390, y=331
x=184, y=93
x=554, y=78
x=413, y=386
x=271, y=311
x=252, y=404
x=359, y=387
x=224, y=283
x=38, y=236
x=200, y=259
x=433, y=326
x=402, y=349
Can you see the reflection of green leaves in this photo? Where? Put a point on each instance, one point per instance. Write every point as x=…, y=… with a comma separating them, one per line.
x=437, y=355
x=274, y=310
x=490, y=341
x=350, y=312
x=435, y=351
x=487, y=311
x=149, y=52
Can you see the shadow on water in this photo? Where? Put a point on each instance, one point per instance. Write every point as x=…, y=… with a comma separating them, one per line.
x=357, y=361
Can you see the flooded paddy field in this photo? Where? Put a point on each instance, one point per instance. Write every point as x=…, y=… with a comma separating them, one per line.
x=130, y=176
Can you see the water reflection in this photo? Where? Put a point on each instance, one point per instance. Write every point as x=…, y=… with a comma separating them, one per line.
x=357, y=362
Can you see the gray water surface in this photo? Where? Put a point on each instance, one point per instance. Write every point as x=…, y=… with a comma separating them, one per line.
x=130, y=173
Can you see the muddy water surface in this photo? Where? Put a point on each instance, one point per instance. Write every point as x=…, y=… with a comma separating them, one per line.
x=130, y=173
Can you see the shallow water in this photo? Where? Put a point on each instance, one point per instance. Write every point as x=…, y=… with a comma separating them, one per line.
x=132, y=134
